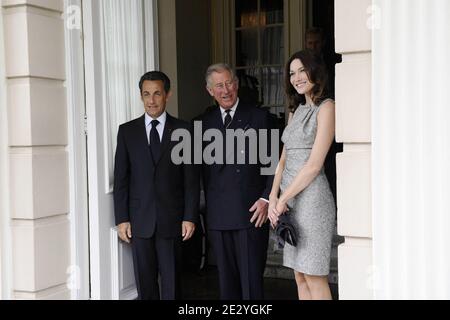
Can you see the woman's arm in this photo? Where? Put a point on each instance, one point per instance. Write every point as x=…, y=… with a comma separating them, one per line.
x=279, y=171
x=278, y=174
x=273, y=197
x=322, y=143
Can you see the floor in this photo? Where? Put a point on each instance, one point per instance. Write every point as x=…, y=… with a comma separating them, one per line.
x=279, y=283
x=203, y=285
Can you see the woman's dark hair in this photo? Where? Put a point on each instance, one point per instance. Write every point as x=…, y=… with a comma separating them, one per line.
x=155, y=76
x=317, y=74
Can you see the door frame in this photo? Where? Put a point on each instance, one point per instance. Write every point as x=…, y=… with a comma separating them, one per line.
x=84, y=228
x=79, y=272
x=6, y=268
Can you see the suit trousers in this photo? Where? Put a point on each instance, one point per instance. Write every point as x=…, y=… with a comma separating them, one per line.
x=155, y=257
x=241, y=259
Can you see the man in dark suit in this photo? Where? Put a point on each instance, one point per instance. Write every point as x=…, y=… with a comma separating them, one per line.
x=155, y=201
x=236, y=194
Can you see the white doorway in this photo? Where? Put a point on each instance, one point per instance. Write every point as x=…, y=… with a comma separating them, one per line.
x=119, y=44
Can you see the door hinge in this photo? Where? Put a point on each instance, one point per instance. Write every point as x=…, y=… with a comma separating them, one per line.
x=85, y=125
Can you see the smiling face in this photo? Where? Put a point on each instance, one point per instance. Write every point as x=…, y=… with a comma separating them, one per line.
x=299, y=78
x=223, y=88
x=154, y=97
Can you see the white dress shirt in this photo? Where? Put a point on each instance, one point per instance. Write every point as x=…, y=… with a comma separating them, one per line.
x=160, y=128
x=232, y=112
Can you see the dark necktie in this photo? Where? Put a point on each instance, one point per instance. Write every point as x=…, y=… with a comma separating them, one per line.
x=227, y=118
x=155, y=143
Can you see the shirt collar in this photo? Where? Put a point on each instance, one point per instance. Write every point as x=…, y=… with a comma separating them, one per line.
x=162, y=119
x=233, y=109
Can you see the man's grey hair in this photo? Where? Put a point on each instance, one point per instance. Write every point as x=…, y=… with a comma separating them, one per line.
x=218, y=68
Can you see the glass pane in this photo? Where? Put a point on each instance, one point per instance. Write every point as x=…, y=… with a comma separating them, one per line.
x=271, y=11
x=272, y=86
x=246, y=13
x=249, y=85
x=246, y=47
x=272, y=45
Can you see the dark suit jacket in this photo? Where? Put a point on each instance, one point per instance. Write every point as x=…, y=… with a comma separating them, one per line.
x=153, y=196
x=232, y=189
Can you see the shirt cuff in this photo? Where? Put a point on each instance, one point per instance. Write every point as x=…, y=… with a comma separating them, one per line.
x=264, y=200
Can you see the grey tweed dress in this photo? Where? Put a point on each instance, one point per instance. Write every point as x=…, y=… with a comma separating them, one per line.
x=313, y=210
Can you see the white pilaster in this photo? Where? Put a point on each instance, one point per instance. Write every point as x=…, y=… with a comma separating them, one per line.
x=37, y=177
x=353, y=119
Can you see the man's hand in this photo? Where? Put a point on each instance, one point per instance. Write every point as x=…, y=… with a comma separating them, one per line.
x=259, y=210
x=124, y=230
x=187, y=230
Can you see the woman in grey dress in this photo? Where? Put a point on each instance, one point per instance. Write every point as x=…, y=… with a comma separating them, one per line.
x=300, y=187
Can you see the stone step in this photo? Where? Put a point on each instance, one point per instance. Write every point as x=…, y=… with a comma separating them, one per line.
x=278, y=272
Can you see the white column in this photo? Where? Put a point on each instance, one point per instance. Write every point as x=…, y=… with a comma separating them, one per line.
x=411, y=149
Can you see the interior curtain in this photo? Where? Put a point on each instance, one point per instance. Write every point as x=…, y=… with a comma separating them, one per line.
x=411, y=155
x=123, y=65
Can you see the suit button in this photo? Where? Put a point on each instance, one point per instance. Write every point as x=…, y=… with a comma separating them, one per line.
x=238, y=171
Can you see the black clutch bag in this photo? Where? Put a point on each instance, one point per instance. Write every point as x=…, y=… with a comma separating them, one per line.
x=285, y=231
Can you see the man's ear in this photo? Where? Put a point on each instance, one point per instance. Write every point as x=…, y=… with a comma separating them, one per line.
x=210, y=91
x=168, y=95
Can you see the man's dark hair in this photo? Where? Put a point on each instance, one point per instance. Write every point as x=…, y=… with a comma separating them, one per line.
x=315, y=30
x=155, y=76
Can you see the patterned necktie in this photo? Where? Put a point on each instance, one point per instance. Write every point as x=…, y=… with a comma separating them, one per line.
x=155, y=142
x=227, y=118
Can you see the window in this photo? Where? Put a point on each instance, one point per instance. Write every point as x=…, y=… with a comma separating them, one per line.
x=260, y=52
